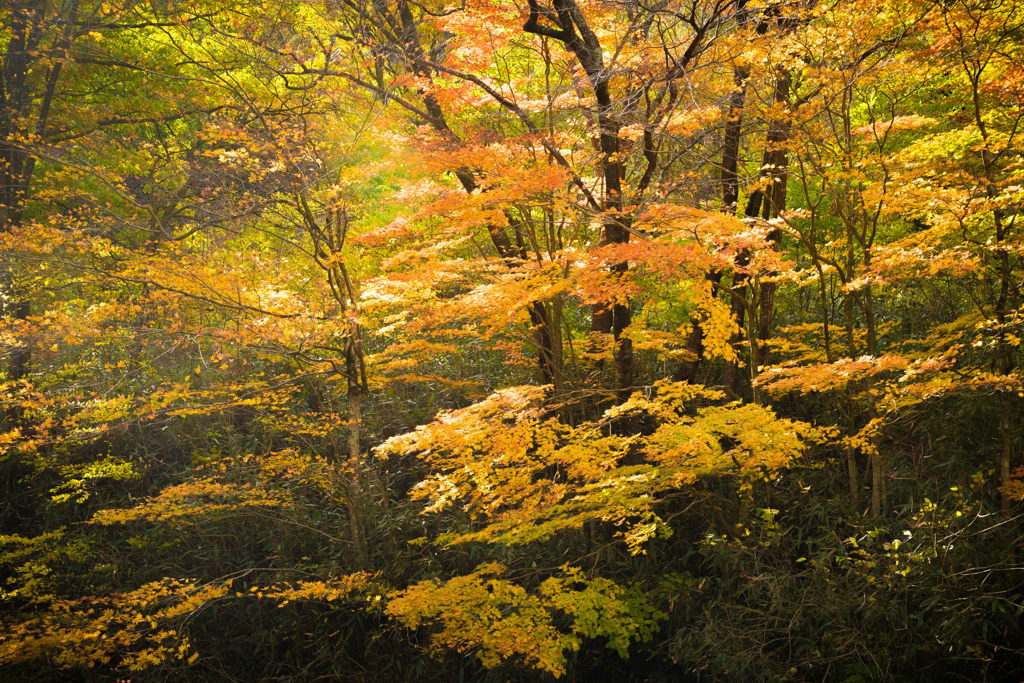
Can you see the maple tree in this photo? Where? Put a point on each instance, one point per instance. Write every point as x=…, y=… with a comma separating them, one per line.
x=523, y=340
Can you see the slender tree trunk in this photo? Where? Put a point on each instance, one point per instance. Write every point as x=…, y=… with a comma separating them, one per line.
x=730, y=196
x=616, y=231
x=1004, y=351
x=24, y=22
x=777, y=158
x=770, y=202
x=329, y=241
x=600, y=322
x=738, y=306
x=851, y=467
x=355, y=496
x=878, y=458
x=879, y=466
x=1006, y=421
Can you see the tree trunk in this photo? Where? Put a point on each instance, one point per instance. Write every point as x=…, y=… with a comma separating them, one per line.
x=577, y=36
x=776, y=165
x=26, y=25
x=877, y=483
x=851, y=469
x=738, y=307
x=355, y=495
x=730, y=196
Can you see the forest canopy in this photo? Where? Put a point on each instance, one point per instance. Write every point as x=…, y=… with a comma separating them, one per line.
x=501, y=340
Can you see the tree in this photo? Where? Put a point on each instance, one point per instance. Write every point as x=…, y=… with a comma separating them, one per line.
x=351, y=332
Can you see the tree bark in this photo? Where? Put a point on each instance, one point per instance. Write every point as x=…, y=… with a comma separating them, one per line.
x=776, y=167
x=575, y=33
x=730, y=196
x=25, y=21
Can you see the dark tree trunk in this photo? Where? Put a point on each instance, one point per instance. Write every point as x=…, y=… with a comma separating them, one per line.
x=730, y=196
x=777, y=168
x=24, y=23
x=575, y=33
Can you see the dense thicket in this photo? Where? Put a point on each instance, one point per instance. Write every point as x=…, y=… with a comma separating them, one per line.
x=596, y=340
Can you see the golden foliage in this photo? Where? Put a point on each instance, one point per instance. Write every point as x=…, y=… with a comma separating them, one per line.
x=500, y=620
x=527, y=475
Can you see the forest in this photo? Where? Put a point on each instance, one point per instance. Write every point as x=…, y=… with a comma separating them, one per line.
x=511, y=341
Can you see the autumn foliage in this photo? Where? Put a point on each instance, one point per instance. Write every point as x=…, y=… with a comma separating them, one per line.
x=604, y=339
